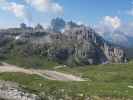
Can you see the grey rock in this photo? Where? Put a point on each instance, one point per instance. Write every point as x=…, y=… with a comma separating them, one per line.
x=12, y=91
x=77, y=44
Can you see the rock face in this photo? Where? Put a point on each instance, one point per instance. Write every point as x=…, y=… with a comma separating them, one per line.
x=11, y=91
x=78, y=44
x=114, y=54
x=84, y=45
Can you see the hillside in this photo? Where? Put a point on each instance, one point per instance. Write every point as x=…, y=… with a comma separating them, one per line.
x=73, y=64
x=103, y=82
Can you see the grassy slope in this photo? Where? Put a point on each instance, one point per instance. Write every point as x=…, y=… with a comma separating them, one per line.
x=73, y=89
x=104, y=73
x=103, y=80
x=31, y=62
x=17, y=56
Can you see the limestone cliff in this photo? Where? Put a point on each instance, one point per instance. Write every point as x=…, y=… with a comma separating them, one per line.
x=78, y=44
x=83, y=45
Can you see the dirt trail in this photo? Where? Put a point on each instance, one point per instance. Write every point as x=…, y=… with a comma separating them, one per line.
x=48, y=74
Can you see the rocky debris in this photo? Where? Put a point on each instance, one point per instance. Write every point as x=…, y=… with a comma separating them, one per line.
x=12, y=91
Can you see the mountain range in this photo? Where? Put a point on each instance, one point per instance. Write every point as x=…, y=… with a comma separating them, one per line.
x=63, y=42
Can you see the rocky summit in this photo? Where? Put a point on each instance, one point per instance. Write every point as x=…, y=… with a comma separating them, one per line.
x=77, y=44
x=83, y=45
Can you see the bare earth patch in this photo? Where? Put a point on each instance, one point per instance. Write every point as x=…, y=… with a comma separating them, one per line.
x=48, y=74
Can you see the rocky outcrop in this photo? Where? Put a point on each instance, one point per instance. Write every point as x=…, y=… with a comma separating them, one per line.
x=12, y=91
x=114, y=54
x=76, y=44
x=86, y=46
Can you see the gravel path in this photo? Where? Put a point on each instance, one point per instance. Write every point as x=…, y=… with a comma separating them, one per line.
x=48, y=74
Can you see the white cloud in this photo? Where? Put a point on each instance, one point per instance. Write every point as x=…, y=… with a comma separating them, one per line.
x=114, y=30
x=120, y=38
x=113, y=22
x=108, y=24
x=111, y=25
x=1, y=1
x=20, y=10
x=17, y=9
x=45, y=5
x=127, y=29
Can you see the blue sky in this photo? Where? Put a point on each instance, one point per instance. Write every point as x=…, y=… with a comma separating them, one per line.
x=92, y=11
x=84, y=11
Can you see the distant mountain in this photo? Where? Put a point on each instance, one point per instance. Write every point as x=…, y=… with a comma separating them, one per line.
x=119, y=38
x=129, y=52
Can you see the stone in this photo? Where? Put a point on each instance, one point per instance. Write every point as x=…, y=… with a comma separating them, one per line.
x=77, y=44
x=12, y=91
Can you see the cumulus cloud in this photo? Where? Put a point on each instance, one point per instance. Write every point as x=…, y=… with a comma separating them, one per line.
x=120, y=38
x=45, y=5
x=17, y=9
x=115, y=22
x=108, y=24
x=127, y=29
x=114, y=30
x=21, y=11
x=1, y=1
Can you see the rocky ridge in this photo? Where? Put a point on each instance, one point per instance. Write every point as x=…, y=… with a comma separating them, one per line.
x=85, y=45
x=75, y=45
